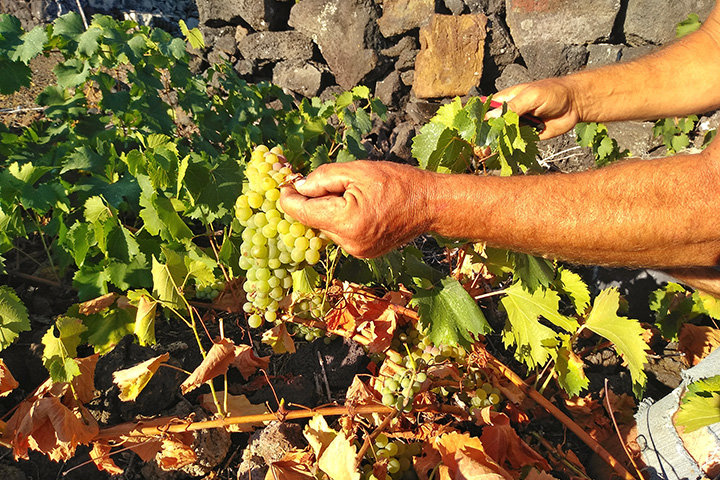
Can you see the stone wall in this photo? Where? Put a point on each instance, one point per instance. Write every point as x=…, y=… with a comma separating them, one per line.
x=414, y=54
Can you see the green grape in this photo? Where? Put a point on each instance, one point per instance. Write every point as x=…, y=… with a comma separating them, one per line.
x=297, y=229
x=255, y=320
x=312, y=257
x=494, y=398
x=388, y=400
x=392, y=448
x=381, y=440
x=393, y=465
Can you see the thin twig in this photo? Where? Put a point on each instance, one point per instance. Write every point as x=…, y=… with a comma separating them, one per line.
x=20, y=110
x=490, y=294
x=325, y=379
x=369, y=438
x=33, y=278
x=617, y=430
x=82, y=14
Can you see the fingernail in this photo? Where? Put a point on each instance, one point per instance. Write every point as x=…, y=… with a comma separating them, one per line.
x=300, y=183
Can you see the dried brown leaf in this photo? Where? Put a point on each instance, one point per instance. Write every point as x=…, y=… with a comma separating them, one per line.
x=100, y=455
x=97, y=304
x=247, y=362
x=237, y=406
x=279, y=339
x=293, y=466
x=696, y=342
x=7, y=381
x=176, y=452
x=503, y=444
x=216, y=362
x=465, y=457
x=131, y=381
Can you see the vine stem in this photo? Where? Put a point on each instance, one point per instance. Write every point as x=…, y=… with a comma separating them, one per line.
x=160, y=426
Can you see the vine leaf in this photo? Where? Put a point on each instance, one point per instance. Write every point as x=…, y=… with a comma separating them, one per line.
x=570, y=369
x=61, y=342
x=131, y=381
x=572, y=285
x=193, y=36
x=625, y=333
x=700, y=404
x=13, y=316
x=168, y=280
x=524, y=329
x=452, y=314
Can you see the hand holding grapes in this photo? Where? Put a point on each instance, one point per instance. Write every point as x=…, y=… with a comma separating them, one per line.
x=366, y=207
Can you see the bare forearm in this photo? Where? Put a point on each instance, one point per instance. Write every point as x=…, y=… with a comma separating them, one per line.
x=663, y=213
x=680, y=79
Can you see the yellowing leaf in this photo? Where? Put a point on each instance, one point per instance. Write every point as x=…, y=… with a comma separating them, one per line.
x=279, y=339
x=625, y=333
x=293, y=466
x=696, y=342
x=145, y=320
x=237, y=406
x=247, y=362
x=318, y=434
x=700, y=405
x=338, y=459
x=572, y=285
x=131, y=381
x=61, y=342
x=216, y=362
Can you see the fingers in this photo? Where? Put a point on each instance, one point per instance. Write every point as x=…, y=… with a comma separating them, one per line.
x=316, y=212
x=325, y=180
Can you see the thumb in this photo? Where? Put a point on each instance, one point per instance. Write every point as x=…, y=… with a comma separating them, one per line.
x=329, y=179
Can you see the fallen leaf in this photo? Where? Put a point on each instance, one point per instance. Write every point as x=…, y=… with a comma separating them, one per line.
x=426, y=462
x=590, y=415
x=338, y=459
x=232, y=298
x=100, y=455
x=696, y=342
x=536, y=474
x=279, y=339
x=84, y=384
x=7, y=381
x=48, y=426
x=503, y=444
x=466, y=458
x=318, y=434
x=377, y=324
x=176, y=452
x=360, y=394
x=247, y=362
x=97, y=304
x=216, y=362
x=237, y=406
x=293, y=466
x=131, y=381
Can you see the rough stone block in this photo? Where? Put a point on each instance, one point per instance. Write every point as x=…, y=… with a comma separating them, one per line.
x=399, y=16
x=654, y=21
x=257, y=13
x=488, y=7
x=603, y=54
x=565, y=22
x=298, y=76
x=549, y=59
x=512, y=75
x=343, y=30
x=276, y=46
x=635, y=136
x=450, y=60
x=388, y=89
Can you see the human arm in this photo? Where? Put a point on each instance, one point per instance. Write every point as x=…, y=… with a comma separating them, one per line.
x=678, y=80
x=663, y=213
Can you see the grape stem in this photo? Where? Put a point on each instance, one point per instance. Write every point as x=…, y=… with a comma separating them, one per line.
x=370, y=438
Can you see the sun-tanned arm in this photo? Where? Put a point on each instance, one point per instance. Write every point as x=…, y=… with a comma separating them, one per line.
x=661, y=213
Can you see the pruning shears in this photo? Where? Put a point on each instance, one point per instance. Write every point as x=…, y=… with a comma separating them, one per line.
x=526, y=119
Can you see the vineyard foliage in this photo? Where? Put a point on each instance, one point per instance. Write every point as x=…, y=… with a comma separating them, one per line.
x=130, y=178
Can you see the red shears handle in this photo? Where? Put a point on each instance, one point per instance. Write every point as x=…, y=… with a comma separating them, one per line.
x=530, y=120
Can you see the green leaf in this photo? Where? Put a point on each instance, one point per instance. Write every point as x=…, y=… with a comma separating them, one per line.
x=687, y=26
x=13, y=316
x=193, y=36
x=14, y=76
x=570, y=369
x=107, y=328
x=625, y=333
x=79, y=239
x=361, y=92
x=168, y=281
x=524, y=329
x=708, y=304
x=533, y=272
x=61, y=342
x=32, y=46
x=572, y=285
x=69, y=25
x=71, y=73
x=700, y=405
x=673, y=306
x=305, y=281
x=439, y=148
x=88, y=41
x=161, y=218
x=452, y=315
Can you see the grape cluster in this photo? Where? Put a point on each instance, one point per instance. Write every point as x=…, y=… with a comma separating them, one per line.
x=273, y=243
x=399, y=390
x=399, y=458
x=209, y=292
x=477, y=392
